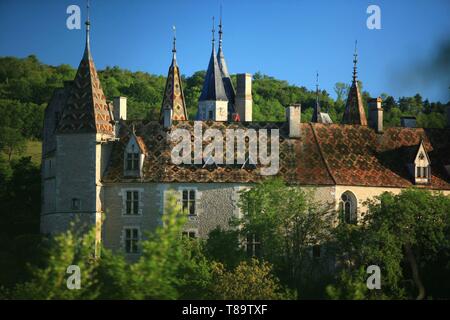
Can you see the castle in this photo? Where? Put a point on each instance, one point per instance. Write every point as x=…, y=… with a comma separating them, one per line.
x=97, y=163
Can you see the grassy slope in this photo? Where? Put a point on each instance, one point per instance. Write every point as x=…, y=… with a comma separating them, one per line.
x=34, y=150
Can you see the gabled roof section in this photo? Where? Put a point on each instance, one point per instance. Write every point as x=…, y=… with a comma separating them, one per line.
x=173, y=94
x=86, y=109
x=213, y=87
x=420, y=150
x=354, y=109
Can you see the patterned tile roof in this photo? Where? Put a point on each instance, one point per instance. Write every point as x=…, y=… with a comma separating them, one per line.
x=354, y=110
x=86, y=109
x=326, y=154
x=173, y=93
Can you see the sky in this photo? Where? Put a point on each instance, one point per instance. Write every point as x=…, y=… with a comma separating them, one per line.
x=287, y=39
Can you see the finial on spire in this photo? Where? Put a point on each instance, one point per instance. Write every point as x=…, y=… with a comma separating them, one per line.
x=174, y=47
x=174, y=29
x=220, y=26
x=355, y=61
x=88, y=25
x=317, y=91
x=317, y=81
x=213, y=31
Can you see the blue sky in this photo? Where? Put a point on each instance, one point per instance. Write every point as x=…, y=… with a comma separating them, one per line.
x=287, y=39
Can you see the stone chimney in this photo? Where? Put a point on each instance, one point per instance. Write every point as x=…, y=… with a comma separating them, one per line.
x=408, y=122
x=243, y=99
x=376, y=114
x=120, y=108
x=293, y=117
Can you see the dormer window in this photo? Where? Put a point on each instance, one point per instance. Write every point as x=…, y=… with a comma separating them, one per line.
x=134, y=155
x=422, y=166
x=132, y=161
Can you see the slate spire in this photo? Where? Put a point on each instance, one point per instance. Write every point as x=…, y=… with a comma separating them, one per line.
x=86, y=109
x=227, y=83
x=354, y=109
x=173, y=94
x=213, y=88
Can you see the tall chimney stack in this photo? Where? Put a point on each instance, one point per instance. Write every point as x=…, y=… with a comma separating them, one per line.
x=244, y=100
x=376, y=114
x=293, y=117
x=120, y=108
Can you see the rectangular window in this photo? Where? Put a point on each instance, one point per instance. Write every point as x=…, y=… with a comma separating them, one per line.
x=253, y=246
x=189, y=202
x=316, y=251
x=422, y=172
x=132, y=161
x=131, y=240
x=190, y=234
x=76, y=204
x=132, y=203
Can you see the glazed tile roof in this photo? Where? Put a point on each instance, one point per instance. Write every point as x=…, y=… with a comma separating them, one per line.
x=354, y=109
x=173, y=94
x=326, y=154
x=86, y=109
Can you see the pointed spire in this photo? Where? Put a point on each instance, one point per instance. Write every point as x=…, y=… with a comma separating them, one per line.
x=213, y=87
x=228, y=84
x=87, y=50
x=173, y=99
x=86, y=109
x=316, y=113
x=354, y=109
x=355, y=61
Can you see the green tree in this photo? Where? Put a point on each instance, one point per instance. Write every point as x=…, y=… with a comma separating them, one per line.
x=51, y=281
x=12, y=142
x=404, y=235
x=224, y=246
x=248, y=281
x=288, y=223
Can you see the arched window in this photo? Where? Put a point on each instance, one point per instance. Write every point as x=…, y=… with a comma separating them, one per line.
x=347, y=207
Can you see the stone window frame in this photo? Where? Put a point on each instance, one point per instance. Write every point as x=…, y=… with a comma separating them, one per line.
x=256, y=245
x=135, y=149
x=189, y=190
x=198, y=195
x=352, y=201
x=123, y=193
x=188, y=232
x=123, y=239
x=421, y=173
x=163, y=189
